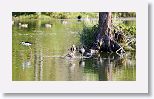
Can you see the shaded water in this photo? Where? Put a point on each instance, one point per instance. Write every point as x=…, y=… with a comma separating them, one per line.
x=43, y=61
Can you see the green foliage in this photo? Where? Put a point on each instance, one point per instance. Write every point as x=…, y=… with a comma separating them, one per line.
x=128, y=30
x=124, y=14
x=128, y=27
x=88, y=35
x=67, y=15
x=56, y=15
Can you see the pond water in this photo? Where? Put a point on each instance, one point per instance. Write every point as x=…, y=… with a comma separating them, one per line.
x=44, y=61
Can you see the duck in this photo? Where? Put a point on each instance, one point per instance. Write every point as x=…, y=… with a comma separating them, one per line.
x=91, y=53
x=79, y=17
x=88, y=55
x=70, y=55
x=73, y=48
x=26, y=43
x=82, y=51
x=48, y=25
x=23, y=25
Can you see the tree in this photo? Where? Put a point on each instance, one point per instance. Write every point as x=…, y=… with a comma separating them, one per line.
x=105, y=39
x=104, y=22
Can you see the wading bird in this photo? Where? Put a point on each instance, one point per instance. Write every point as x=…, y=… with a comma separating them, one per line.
x=26, y=43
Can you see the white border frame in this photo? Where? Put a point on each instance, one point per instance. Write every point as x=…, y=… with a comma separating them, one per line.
x=138, y=86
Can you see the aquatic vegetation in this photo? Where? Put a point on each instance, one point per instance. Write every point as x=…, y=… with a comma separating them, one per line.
x=128, y=30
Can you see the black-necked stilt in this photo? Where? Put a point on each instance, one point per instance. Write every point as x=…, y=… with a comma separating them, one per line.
x=48, y=25
x=82, y=50
x=26, y=43
x=23, y=25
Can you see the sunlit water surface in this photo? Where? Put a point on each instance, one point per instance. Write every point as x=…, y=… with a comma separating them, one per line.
x=44, y=61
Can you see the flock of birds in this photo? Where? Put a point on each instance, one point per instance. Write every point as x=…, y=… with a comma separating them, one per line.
x=72, y=51
x=82, y=51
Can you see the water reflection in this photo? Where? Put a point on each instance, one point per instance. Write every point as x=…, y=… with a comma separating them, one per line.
x=38, y=65
x=82, y=63
x=44, y=61
x=26, y=64
x=110, y=67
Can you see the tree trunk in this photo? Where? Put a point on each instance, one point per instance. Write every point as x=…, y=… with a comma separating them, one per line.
x=104, y=39
x=104, y=31
x=104, y=23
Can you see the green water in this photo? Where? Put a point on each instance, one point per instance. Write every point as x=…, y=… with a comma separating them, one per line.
x=43, y=60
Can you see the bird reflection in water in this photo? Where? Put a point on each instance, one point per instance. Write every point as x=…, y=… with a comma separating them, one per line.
x=82, y=63
x=106, y=64
x=71, y=69
x=26, y=64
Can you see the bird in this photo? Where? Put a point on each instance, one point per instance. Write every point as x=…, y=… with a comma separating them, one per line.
x=23, y=25
x=48, y=25
x=26, y=64
x=70, y=55
x=94, y=51
x=100, y=42
x=73, y=48
x=90, y=53
x=79, y=17
x=64, y=22
x=26, y=43
x=81, y=50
